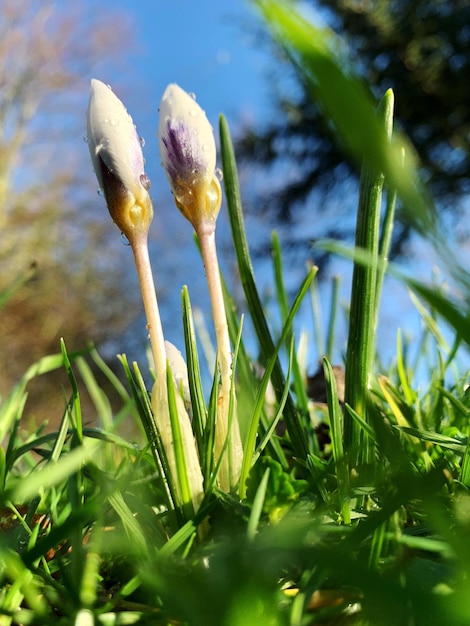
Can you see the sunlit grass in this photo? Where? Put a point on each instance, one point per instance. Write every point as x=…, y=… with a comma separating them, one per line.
x=353, y=511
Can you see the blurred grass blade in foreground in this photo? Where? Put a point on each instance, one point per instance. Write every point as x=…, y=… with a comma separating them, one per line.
x=348, y=107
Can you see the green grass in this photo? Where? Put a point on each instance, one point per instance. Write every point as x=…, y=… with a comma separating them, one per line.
x=372, y=528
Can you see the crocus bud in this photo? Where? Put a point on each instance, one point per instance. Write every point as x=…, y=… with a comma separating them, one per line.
x=179, y=370
x=167, y=433
x=116, y=155
x=188, y=152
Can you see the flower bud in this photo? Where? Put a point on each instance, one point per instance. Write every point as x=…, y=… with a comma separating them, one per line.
x=179, y=370
x=167, y=433
x=188, y=152
x=116, y=155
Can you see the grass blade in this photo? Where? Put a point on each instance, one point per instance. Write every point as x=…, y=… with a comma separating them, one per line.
x=232, y=190
x=198, y=404
x=364, y=297
x=253, y=429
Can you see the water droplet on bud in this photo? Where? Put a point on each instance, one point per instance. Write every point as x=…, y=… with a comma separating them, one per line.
x=192, y=95
x=142, y=141
x=145, y=181
x=124, y=240
x=219, y=174
x=100, y=192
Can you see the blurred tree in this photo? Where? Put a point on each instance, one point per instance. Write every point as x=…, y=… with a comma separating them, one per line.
x=420, y=48
x=49, y=232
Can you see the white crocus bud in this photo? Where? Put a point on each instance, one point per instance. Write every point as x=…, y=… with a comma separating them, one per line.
x=191, y=465
x=179, y=370
x=116, y=155
x=188, y=153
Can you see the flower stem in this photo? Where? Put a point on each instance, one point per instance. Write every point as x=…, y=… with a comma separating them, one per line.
x=211, y=264
x=147, y=287
x=231, y=464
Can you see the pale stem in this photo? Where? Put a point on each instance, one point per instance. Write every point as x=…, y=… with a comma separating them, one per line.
x=160, y=391
x=147, y=287
x=211, y=264
x=229, y=470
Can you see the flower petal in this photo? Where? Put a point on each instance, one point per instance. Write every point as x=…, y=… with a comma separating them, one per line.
x=188, y=151
x=112, y=136
x=116, y=155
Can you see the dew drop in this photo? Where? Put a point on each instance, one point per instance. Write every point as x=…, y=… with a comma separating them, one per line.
x=219, y=174
x=193, y=112
x=142, y=141
x=192, y=95
x=206, y=147
x=124, y=240
x=184, y=198
x=100, y=192
x=114, y=122
x=145, y=181
x=85, y=138
x=109, y=87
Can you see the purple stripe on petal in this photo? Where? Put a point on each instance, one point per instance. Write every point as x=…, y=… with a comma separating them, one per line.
x=184, y=157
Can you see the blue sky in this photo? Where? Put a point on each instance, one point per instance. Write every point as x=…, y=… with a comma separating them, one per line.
x=204, y=45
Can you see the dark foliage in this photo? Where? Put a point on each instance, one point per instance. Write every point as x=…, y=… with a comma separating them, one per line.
x=421, y=49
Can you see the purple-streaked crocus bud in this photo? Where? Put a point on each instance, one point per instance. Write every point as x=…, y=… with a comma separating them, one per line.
x=116, y=155
x=188, y=152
